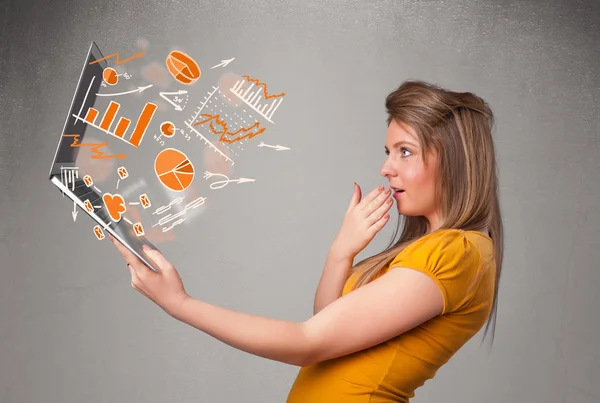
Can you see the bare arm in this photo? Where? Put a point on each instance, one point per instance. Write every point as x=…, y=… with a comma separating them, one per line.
x=334, y=276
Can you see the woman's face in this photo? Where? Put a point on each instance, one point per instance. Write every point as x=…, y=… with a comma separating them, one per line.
x=405, y=170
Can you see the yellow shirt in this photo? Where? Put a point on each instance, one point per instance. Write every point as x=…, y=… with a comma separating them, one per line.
x=391, y=371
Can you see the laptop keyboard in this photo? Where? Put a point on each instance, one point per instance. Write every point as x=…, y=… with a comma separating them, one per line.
x=83, y=193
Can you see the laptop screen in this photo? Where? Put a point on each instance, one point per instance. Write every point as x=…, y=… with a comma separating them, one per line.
x=85, y=97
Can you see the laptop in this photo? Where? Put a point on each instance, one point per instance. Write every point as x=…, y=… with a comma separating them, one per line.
x=65, y=173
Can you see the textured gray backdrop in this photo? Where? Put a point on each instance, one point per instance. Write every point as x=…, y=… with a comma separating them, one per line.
x=74, y=332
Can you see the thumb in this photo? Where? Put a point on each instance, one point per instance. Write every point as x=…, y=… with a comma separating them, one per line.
x=356, y=196
x=158, y=258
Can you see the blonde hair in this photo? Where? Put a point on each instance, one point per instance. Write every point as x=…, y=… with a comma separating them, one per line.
x=458, y=127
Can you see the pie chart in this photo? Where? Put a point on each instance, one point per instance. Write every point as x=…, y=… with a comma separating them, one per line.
x=174, y=169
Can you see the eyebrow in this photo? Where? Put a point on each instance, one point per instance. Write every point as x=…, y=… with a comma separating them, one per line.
x=399, y=143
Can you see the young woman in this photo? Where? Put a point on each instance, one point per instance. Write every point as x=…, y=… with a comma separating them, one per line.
x=383, y=327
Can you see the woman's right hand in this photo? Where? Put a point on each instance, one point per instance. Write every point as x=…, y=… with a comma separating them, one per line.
x=363, y=220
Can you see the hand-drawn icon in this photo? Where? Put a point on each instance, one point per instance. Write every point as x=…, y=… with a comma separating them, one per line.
x=122, y=171
x=253, y=98
x=68, y=175
x=115, y=205
x=139, y=230
x=110, y=76
x=220, y=184
x=223, y=63
x=123, y=124
x=95, y=147
x=191, y=121
x=98, y=232
x=177, y=100
x=219, y=127
x=145, y=201
x=277, y=147
x=88, y=180
x=174, y=169
x=117, y=60
x=88, y=206
x=170, y=217
x=183, y=68
x=167, y=129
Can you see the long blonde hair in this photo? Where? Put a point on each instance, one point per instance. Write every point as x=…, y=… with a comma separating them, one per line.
x=458, y=127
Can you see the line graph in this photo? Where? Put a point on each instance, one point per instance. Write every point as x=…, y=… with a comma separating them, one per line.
x=117, y=60
x=189, y=123
x=94, y=146
x=252, y=95
x=247, y=132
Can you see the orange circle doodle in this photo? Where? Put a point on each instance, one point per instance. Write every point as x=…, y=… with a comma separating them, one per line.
x=110, y=76
x=174, y=169
x=183, y=68
x=167, y=129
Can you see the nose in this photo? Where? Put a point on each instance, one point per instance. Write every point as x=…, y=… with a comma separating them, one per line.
x=386, y=170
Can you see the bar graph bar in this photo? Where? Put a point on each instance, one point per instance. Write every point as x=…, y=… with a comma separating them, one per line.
x=91, y=115
x=122, y=126
x=123, y=123
x=253, y=99
x=142, y=123
x=109, y=115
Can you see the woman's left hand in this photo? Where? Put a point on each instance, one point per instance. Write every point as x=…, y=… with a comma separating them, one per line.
x=165, y=289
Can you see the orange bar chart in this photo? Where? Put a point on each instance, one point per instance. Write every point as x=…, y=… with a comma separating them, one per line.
x=91, y=115
x=122, y=127
x=142, y=124
x=123, y=123
x=109, y=115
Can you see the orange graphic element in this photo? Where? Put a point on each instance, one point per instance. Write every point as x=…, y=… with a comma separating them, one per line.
x=142, y=124
x=167, y=129
x=145, y=200
x=122, y=172
x=91, y=115
x=122, y=127
x=115, y=205
x=116, y=55
x=183, y=68
x=173, y=169
x=98, y=232
x=88, y=206
x=95, y=147
x=259, y=83
x=139, y=230
x=88, y=180
x=246, y=132
x=110, y=76
x=109, y=115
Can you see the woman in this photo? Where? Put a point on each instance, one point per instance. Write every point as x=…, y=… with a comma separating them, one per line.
x=381, y=329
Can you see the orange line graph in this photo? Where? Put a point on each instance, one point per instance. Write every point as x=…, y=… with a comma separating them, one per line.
x=259, y=83
x=116, y=55
x=247, y=131
x=95, y=147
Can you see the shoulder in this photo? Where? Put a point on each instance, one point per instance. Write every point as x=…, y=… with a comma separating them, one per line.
x=451, y=257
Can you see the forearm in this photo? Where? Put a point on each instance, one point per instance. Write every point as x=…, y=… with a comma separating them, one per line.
x=334, y=276
x=274, y=339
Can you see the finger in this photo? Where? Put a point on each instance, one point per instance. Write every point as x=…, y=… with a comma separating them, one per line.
x=375, y=228
x=370, y=197
x=356, y=195
x=378, y=213
x=158, y=258
x=377, y=201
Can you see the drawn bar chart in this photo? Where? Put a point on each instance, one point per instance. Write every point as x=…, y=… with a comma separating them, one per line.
x=123, y=124
x=252, y=97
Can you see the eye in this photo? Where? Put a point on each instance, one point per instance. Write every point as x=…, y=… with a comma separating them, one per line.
x=403, y=150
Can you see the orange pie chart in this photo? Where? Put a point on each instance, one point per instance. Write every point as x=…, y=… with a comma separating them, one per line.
x=174, y=169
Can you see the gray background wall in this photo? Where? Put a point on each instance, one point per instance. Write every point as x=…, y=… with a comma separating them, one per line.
x=73, y=332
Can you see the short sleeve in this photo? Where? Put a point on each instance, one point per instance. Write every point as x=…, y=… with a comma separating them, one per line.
x=450, y=259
